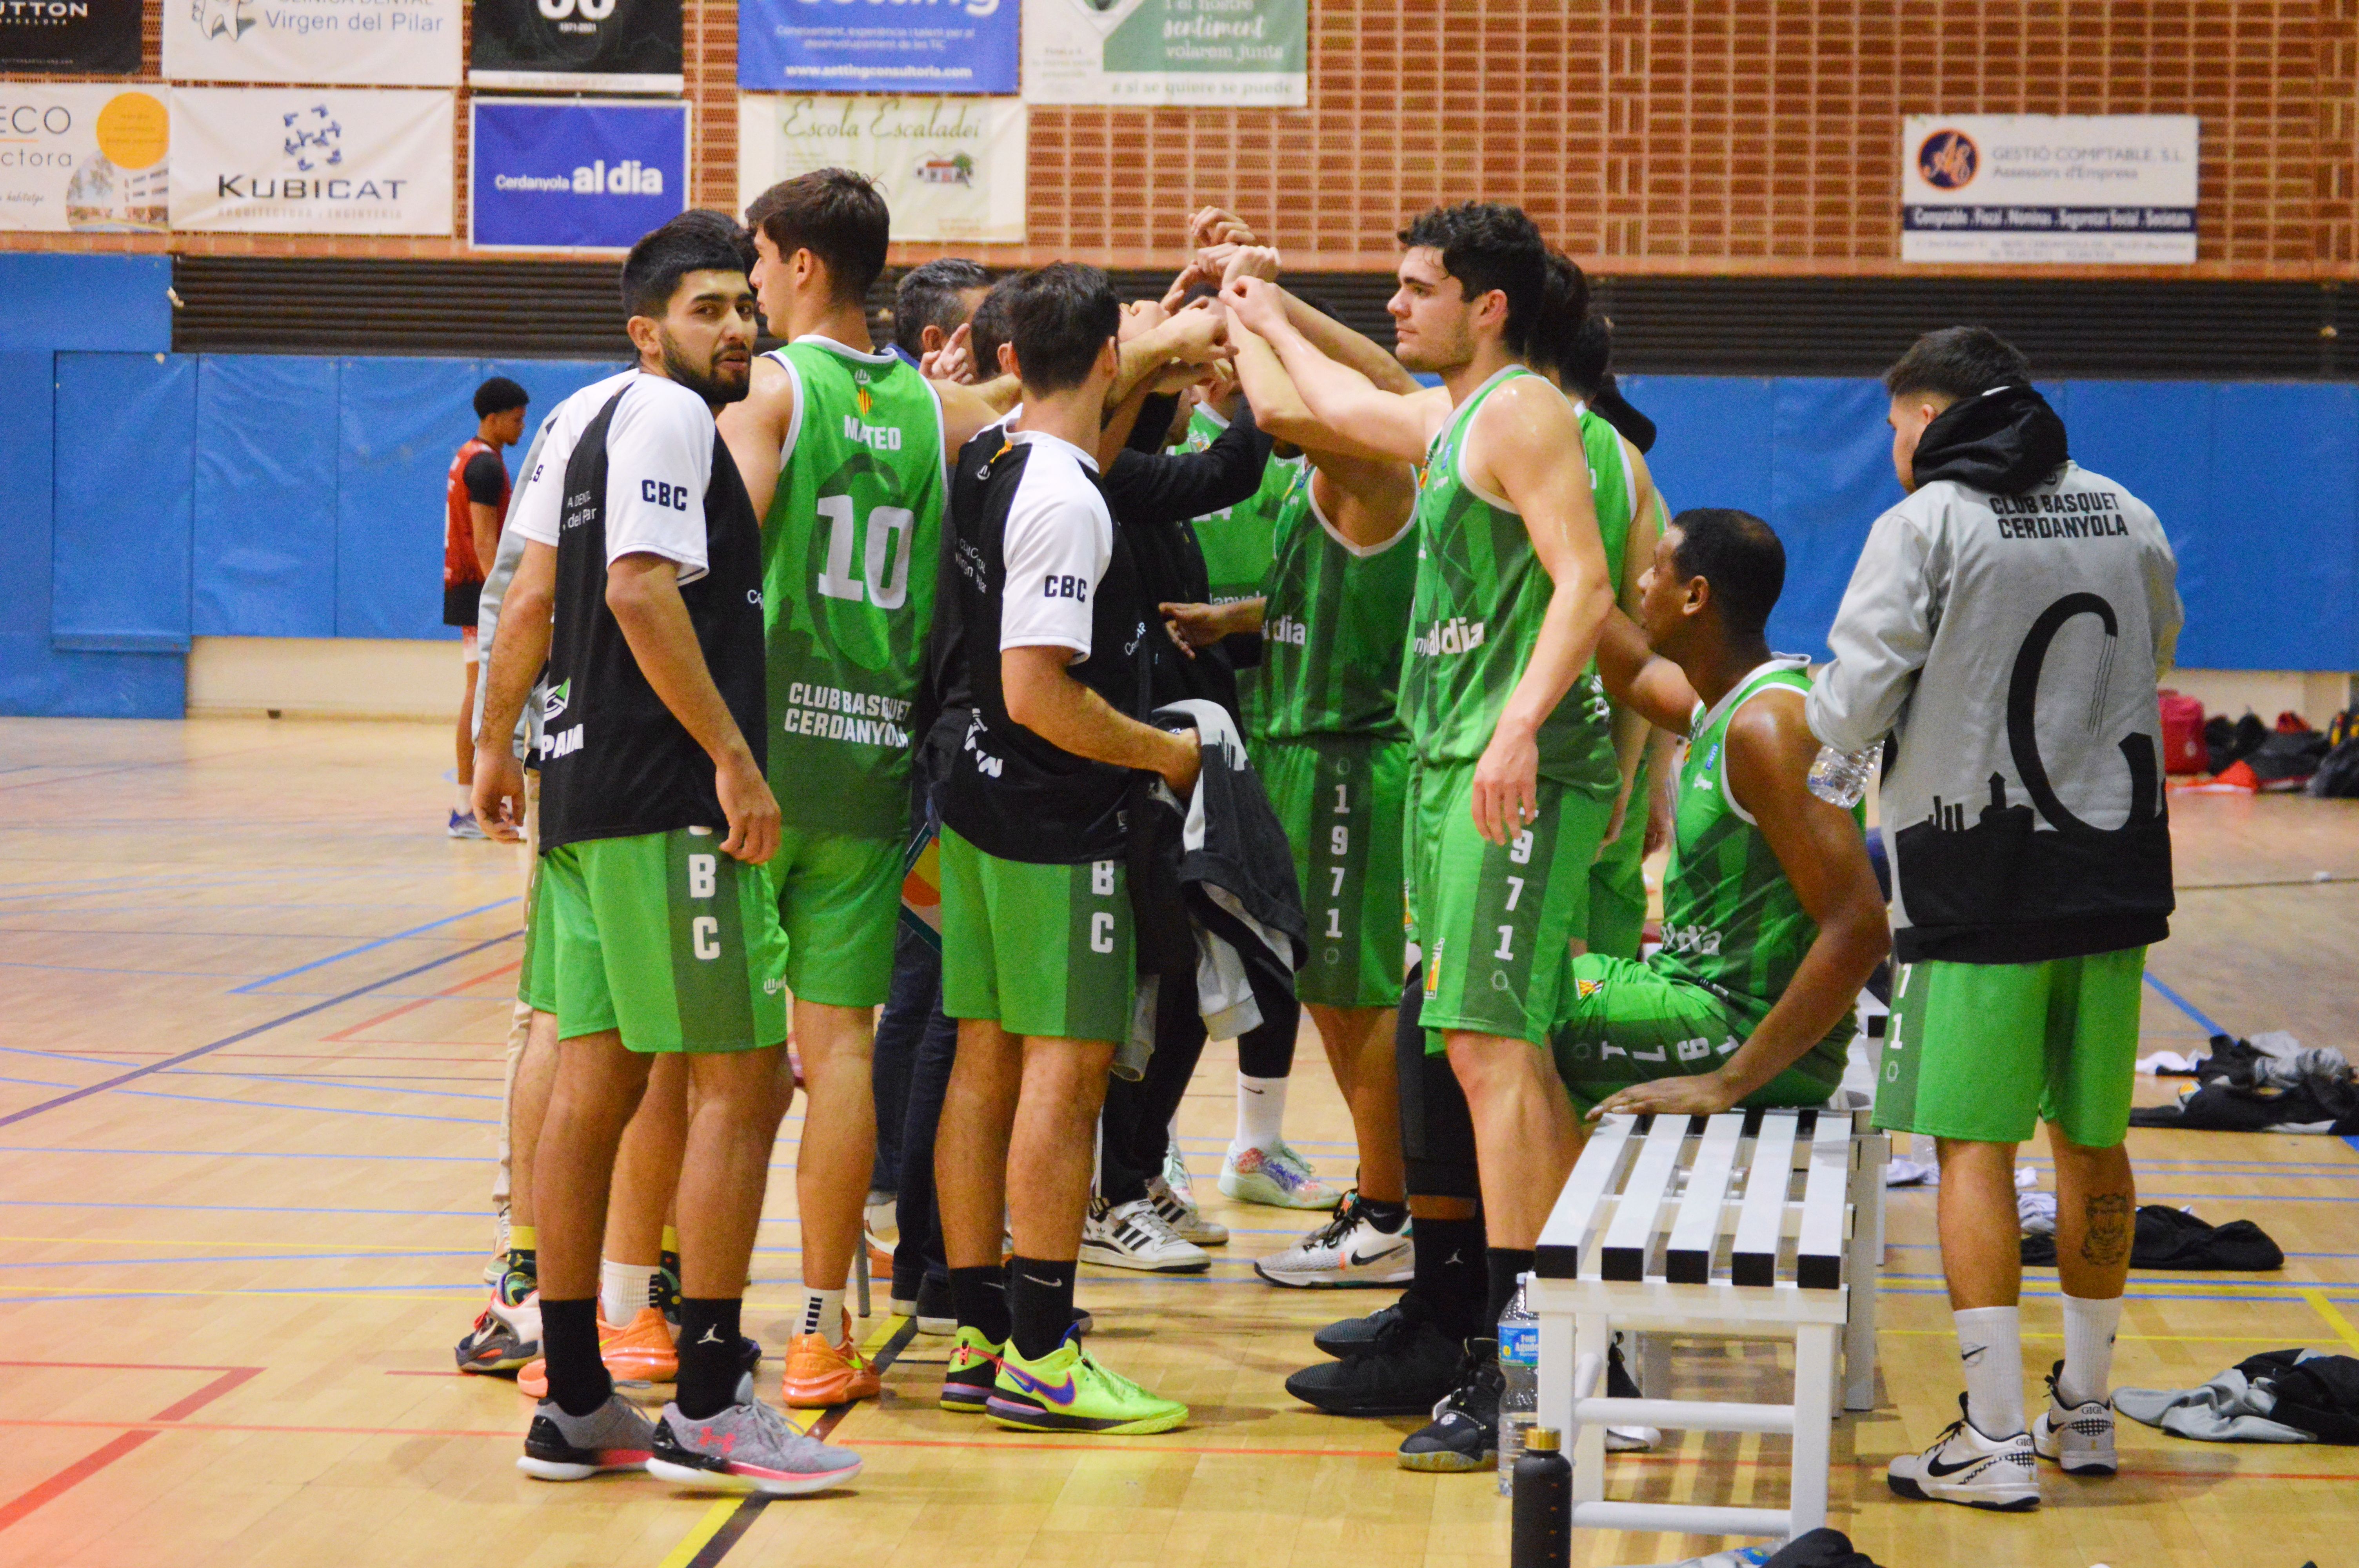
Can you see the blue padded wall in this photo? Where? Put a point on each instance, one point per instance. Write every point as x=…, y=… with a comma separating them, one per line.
x=266, y=497
x=125, y=489
x=401, y=422
x=58, y=300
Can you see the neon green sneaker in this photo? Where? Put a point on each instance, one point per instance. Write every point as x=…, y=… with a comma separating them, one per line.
x=975, y=1362
x=1065, y=1390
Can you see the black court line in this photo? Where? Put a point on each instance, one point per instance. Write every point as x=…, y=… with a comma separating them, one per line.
x=244, y=1034
x=733, y=1529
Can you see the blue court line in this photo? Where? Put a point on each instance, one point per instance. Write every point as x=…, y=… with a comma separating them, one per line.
x=241, y=1257
x=2183, y=1005
x=236, y=1153
x=309, y=1081
x=40, y=1083
x=320, y=1109
x=240, y=1208
x=94, y=969
x=244, y=1034
x=370, y=947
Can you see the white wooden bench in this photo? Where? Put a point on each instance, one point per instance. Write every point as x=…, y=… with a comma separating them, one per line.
x=1778, y=1232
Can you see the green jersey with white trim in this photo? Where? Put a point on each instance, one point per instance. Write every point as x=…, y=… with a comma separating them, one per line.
x=1732, y=921
x=1333, y=621
x=1481, y=596
x=1612, y=487
x=1236, y=539
x=849, y=555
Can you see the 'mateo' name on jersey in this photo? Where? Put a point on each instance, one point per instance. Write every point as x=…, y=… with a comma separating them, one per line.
x=647, y=475
x=1036, y=563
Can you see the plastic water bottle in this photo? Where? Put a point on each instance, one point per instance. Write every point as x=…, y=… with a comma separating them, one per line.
x=1840, y=778
x=1519, y=1380
x=1542, y=1521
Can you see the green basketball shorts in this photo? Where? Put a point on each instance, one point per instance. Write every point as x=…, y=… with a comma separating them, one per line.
x=1630, y=1025
x=1617, y=884
x=1497, y=921
x=1047, y=951
x=1985, y=1051
x=839, y=901
x=1340, y=799
x=659, y=936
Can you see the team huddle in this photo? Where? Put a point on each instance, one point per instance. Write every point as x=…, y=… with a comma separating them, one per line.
x=1202, y=623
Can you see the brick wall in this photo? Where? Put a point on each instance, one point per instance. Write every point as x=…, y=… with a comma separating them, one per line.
x=1712, y=136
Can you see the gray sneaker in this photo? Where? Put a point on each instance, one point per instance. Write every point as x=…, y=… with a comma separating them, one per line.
x=560, y=1447
x=748, y=1447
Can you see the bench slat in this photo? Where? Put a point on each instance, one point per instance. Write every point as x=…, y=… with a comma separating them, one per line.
x=1574, y=1218
x=1623, y=1255
x=1754, y=1259
x=1817, y=1257
x=1696, y=1232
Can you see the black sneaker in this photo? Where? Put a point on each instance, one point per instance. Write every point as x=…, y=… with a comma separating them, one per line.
x=1464, y=1432
x=1402, y=1371
x=1341, y=1339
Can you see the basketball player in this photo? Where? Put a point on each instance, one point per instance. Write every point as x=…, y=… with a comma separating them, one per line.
x=475, y=503
x=2003, y=630
x=654, y=932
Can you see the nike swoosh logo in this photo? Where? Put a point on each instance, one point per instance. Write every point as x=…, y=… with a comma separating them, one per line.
x=1055, y=1393
x=1935, y=1468
x=1971, y=1354
x=1044, y=1284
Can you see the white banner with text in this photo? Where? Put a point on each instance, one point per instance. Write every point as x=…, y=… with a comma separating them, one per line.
x=311, y=161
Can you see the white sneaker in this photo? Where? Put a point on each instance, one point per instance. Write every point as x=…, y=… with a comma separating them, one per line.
x=1964, y=1467
x=881, y=1216
x=2078, y=1437
x=1133, y=1235
x=1175, y=1173
x=1183, y=1215
x=1276, y=1177
x=1347, y=1252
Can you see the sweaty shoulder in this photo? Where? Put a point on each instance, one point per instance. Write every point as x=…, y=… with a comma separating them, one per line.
x=1768, y=734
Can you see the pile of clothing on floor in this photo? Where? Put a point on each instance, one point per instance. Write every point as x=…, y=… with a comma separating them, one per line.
x=2280, y=1396
x=1820, y=1547
x=2165, y=1237
x=2271, y=1083
x=2249, y=756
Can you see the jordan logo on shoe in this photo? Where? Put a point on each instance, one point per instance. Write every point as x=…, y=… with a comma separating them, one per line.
x=710, y=1337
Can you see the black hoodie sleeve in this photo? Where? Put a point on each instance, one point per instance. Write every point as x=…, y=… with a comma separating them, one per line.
x=1172, y=487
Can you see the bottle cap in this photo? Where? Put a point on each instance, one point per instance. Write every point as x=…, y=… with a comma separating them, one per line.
x=1541, y=1440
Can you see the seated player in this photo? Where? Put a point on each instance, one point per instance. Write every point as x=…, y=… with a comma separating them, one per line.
x=1771, y=917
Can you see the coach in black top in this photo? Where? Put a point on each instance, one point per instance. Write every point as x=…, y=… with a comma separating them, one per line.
x=653, y=930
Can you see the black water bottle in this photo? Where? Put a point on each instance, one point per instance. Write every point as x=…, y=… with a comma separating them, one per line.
x=1543, y=1516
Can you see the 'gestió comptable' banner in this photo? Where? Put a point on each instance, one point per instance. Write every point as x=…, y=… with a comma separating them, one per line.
x=2047, y=188
x=83, y=156
x=951, y=169
x=577, y=45
x=377, y=43
x=95, y=35
x=310, y=161
x=876, y=45
x=574, y=174
x=1165, y=52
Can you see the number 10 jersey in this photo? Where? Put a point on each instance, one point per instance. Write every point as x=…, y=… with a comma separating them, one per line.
x=849, y=555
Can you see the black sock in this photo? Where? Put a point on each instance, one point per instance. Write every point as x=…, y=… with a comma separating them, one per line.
x=1449, y=1277
x=1388, y=1217
x=569, y=1340
x=1506, y=1263
x=980, y=1298
x=709, y=1363
x=1040, y=1304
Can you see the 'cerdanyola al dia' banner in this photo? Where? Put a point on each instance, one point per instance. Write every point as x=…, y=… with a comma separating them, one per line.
x=1165, y=52
x=550, y=174
x=82, y=158
x=577, y=45
x=876, y=46
x=94, y=36
x=311, y=160
x=376, y=43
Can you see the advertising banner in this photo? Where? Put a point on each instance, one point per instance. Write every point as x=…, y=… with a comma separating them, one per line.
x=375, y=43
x=574, y=174
x=577, y=45
x=83, y=157
x=951, y=168
x=876, y=46
x=310, y=161
x=91, y=36
x=1165, y=52
x=2047, y=188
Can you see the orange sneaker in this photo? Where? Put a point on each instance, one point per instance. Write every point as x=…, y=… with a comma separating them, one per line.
x=641, y=1351
x=820, y=1374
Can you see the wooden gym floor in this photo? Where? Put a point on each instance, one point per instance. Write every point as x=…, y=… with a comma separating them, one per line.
x=251, y=1008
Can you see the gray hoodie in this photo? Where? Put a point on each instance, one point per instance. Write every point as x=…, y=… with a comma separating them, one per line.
x=2008, y=646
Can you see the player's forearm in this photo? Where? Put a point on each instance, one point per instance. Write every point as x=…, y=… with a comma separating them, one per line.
x=1340, y=398
x=1073, y=718
x=1824, y=988
x=655, y=622
x=1341, y=344
x=485, y=524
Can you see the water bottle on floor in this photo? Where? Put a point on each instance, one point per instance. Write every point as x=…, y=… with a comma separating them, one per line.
x=1840, y=778
x=1519, y=1380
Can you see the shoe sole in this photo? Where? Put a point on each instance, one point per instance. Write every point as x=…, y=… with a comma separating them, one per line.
x=2099, y=1467
x=1326, y=1282
x=1906, y=1486
x=1106, y=1257
x=500, y=1368
x=1369, y=1410
x=812, y=1397
x=1448, y=1462
x=964, y=1406
x=570, y=1470
x=1015, y=1419
x=770, y=1483
x=1275, y=1196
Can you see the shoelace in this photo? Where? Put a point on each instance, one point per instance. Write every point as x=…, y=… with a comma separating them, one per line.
x=1347, y=1215
x=1149, y=1219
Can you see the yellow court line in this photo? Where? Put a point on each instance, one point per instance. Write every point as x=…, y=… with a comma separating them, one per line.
x=2326, y=1309
x=340, y=1246
x=2152, y=1338
x=706, y=1529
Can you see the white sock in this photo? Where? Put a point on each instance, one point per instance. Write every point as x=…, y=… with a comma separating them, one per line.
x=1261, y=1112
x=1990, y=1343
x=464, y=800
x=623, y=1289
x=2089, y=1328
x=821, y=1313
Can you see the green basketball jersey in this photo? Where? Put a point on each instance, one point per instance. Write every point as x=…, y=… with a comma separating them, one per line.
x=1236, y=539
x=1731, y=920
x=1611, y=486
x=1481, y=596
x=849, y=553
x=1333, y=621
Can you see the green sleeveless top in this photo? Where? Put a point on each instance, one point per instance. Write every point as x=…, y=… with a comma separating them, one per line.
x=849, y=558
x=1612, y=486
x=1331, y=624
x=1481, y=596
x=1236, y=539
x=1730, y=921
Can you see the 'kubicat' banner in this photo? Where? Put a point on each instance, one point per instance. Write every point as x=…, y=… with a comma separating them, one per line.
x=1165, y=52
x=951, y=168
x=311, y=160
x=876, y=45
x=376, y=43
x=82, y=158
x=576, y=46
x=93, y=35
x=572, y=175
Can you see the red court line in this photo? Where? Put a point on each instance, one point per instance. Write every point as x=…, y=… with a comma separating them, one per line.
x=208, y=1394
x=91, y=1464
x=73, y=1475
x=344, y=1035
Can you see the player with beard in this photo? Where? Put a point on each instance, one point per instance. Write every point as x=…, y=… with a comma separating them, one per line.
x=654, y=931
